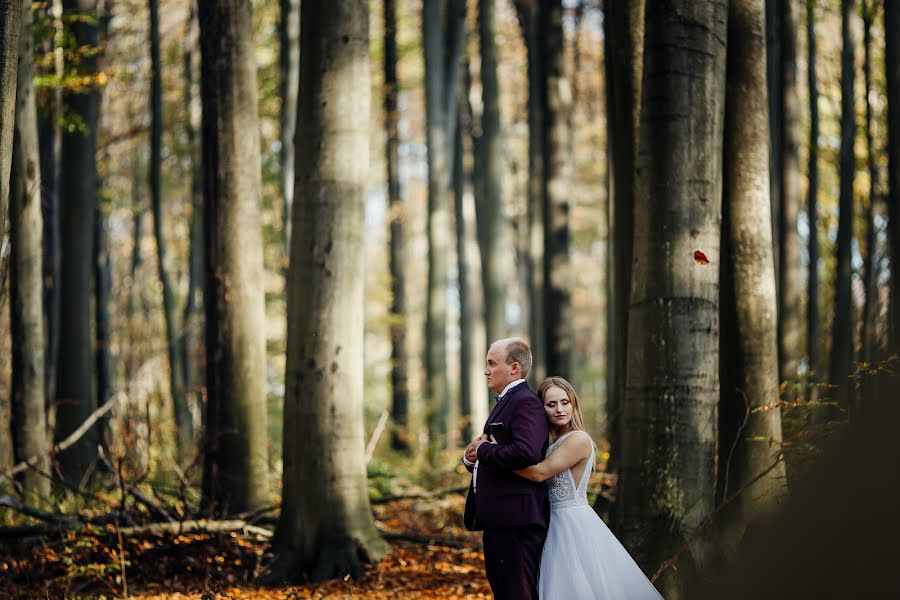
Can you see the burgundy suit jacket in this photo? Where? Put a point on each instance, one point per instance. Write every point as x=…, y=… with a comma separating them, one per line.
x=503, y=499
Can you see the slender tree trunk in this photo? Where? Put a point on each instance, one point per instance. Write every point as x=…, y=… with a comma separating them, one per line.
x=472, y=315
x=812, y=302
x=400, y=435
x=492, y=231
x=10, y=30
x=749, y=416
x=892, y=62
x=326, y=527
x=557, y=97
x=75, y=399
x=235, y=473
x=790, y=274
x=867, y=324
x=29, y=414
x=624, y=32
x=443, y=26
x=842, y=333
x=289, y=65
x=774, y=75
x=672, y=391
x=184, y=427
x=102, y=298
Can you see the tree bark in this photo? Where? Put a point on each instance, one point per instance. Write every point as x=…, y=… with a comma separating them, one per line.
x=672, y=391
x=184, y=427
x=842, y=333
x=235, y=473
x=29, y=415
x=75, y=398
x=102, y=297
x=812, y=301
x=867, y=325
x=289, y=65
x=492, y=231
x=892, y=67
x=557, y=104
x=10, y=31
x=326, y=527
x=749, y=416
x=443, y=25
x=400, y=434
x=774, y=74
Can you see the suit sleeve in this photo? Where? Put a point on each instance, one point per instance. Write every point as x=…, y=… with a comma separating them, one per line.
x=528, y=434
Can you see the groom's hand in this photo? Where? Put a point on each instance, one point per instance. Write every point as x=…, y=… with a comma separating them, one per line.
x=471, y=449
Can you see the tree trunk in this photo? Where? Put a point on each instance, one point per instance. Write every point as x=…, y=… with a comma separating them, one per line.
x=400, y=434
x=289, y=65
x=870, y=287
x=492, y=232
x=443, y=25
x=749, y=417
x=326, y=527
x=774, y=74
x=892, y=62
x=557, y=97
x=75, y=399
x=235, y=473
x=812, y=301
x=842, y=333
x=790, y=274
x=102, y=298
x=624, y=32
x=672, y=390
x=472, y=314
x=184, y=427
x=10, y=30
x=29, y=414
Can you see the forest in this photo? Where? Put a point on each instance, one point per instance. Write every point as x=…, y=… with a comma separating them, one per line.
x=253, y=255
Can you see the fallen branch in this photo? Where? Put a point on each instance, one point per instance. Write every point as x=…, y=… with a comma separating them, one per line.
x=376, y=435
x=424, y=539
x=198, y=526
x=35, y=513
x=420, y=496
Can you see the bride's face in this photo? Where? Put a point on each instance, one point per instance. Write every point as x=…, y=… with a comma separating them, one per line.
x=558, y=407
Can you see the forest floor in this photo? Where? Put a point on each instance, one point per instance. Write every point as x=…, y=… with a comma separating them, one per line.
x=433, y=557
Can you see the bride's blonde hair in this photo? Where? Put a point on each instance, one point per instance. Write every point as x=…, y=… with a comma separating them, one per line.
x=577, y=422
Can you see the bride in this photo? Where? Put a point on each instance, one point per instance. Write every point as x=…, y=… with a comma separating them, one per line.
x=582, y=559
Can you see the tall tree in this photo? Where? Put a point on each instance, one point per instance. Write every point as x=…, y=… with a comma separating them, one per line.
x=102, y=265
x=400, y=436
x=443, y=25
x=672, y=388
x=29, y=415
x=75, y=399
x=842, y=332
x=774, y=74
x=326, y=527
x=10, y=30
x=492, y=231
x=790, y=275
x=624, y=38
x=184, y=428
x=289, y=66
x=235, y=470
x=867, y=324
x=892, y=67
x=749, y=417
x=557, y=103
x=812, y=210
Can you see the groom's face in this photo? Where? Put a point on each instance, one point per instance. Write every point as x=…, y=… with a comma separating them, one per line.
x=497, y=370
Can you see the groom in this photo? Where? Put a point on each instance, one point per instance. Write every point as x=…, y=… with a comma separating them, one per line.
x=513, y=511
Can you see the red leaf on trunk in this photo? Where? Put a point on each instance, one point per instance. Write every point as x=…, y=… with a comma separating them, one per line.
x=700, y=258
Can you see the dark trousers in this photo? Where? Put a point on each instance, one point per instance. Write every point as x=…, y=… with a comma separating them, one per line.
x=512, y=560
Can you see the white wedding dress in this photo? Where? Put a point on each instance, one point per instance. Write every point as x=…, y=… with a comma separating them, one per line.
x=582, y=559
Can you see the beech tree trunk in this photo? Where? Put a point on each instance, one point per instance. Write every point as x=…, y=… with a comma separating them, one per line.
x=867, y=325
x=326, y=527
x=892, y=61
x=10, y=30
x=812, y=210
x=672, y=391
x=289, y=65
x=235, y=470
x=102, y=297
x=749, y=415
x=29, y=414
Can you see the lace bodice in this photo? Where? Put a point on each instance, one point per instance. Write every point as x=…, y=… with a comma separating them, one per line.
x=562, y=488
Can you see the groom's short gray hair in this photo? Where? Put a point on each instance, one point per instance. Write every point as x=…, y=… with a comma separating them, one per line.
x=518, y=351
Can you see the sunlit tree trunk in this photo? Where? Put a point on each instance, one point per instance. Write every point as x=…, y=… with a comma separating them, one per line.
x=892, y=61
x=235, y=473
x=672, y=390
x=749, y=416
x=774, y=74
x=812, y=210
x=289, y=65
x=326, y=527
x=29, y=415
x=10, y=30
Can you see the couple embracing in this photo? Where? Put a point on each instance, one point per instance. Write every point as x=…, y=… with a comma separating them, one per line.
x=530, y=470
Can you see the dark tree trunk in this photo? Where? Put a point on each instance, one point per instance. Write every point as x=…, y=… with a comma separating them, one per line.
x=326, y=527
x=102, y=299
x=289, y=65
x=669, y=436
x=892, y=61
x=10, y=30
x=235, y=470
x=29, y=410
x=812, y=302
x=75, y=398
x=842, y=333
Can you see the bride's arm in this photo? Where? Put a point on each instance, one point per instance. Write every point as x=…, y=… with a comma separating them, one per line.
x=573, y=450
